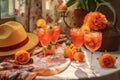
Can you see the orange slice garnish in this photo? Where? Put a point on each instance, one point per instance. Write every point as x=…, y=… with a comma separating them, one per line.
x=62, y=7
x=41, y=23
x=85, y=28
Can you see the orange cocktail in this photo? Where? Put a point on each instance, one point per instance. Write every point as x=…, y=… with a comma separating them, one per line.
x=77, y=37
x=93, y=41
x=55, y=33
x=44, y=36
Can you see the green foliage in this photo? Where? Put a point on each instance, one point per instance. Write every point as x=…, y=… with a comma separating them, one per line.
x=85, y=5
x=31, y=61
x=68, y=43
x=70, y=2
x=49, y=46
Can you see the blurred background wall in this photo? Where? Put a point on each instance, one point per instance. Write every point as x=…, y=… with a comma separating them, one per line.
x=116, y=5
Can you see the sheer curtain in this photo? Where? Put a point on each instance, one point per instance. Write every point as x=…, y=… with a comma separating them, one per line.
x=27, y=12
x=50, y=12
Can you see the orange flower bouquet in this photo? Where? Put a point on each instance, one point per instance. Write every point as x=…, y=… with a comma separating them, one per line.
x=96, y=21
x=107, y=60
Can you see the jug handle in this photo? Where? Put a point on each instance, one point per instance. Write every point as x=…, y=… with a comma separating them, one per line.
x=111, y=8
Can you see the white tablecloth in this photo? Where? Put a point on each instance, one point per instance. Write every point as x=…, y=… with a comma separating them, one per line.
x=84, y=73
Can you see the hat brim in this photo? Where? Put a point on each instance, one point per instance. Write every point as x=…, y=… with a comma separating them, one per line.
x=33, y=41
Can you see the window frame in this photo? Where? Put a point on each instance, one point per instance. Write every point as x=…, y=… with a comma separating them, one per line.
x=9, y=18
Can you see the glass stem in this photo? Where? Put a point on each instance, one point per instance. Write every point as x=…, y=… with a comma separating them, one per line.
x=55, y=50
x=77, y=57
x=44, y=51
x=77, y=49
x=92, y=57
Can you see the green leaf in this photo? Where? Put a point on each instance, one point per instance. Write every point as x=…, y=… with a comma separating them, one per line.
x=71, y=2
x=31, y=54
x=68, y=43
x=79, y=6
x=92, y=5
x=82, y=4
x=65, y=56
x=49, y=46
x=31, y=61
x=85, y=4
x=104, y=52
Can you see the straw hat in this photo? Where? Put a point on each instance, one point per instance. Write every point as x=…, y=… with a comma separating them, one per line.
x=13, y=37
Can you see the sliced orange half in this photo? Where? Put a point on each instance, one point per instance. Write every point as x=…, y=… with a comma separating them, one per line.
x=41, y=23
x=85, y=28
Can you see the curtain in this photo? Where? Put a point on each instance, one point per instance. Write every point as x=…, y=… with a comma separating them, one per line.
x=50, y=12
x=52, y=15
x=27, y=12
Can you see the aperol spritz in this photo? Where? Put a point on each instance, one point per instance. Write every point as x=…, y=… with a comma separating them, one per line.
x=55, y=33
x=92, y=41
x=44, y=36
x=77, y=37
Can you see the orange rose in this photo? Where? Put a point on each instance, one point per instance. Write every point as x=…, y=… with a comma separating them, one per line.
x=107, y=60
x=79, y=56
x=96, y=20
x=70, y=51
x=22, y=57
x=50, y=50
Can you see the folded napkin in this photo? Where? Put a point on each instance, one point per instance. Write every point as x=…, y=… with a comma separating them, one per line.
x=11, y=71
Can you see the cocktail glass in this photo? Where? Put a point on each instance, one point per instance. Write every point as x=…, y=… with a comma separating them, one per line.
x=92, y=41
x=44, y=36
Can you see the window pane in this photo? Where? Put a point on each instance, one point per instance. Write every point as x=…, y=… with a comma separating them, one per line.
x=6, y=8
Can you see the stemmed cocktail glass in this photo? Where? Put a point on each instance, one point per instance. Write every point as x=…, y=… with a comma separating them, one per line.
x=77, y=38
x=55, y=34
x=92, y=41
x=44, y=35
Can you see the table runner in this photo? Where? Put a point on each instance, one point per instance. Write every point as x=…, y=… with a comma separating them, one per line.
x=82, y=73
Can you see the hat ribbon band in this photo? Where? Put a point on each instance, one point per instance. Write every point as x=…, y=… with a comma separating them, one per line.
x=12, y=47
